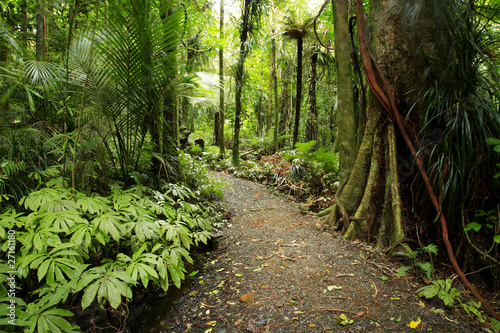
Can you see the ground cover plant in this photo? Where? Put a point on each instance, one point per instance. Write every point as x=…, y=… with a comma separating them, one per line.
x=66, y=249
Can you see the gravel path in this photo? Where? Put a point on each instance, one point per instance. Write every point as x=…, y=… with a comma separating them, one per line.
x=276, y=270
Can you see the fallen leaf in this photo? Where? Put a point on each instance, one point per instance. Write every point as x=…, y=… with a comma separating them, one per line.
x=256, y=196
x=298, y=312
x=414, y=324
x=330, y=288
x=311, y=325
x=211, y=323
x=247, y=298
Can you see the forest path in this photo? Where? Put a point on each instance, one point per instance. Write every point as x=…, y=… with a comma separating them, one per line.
x=276, y=270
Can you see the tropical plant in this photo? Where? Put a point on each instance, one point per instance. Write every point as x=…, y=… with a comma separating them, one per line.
x=100, y=248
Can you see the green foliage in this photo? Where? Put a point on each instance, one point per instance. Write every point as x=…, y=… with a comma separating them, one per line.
x=489, y=220
x=496, y=147
x=460, y=94
x=317, y=161
x=426, y=267
x=97, y=248
x=495, y=324
x=47, y=318
x=442, y=289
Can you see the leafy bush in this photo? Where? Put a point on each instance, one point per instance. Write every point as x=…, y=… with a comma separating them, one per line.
x=97, y=248
x=214, y=161
x=318, y=167
x=195, y=175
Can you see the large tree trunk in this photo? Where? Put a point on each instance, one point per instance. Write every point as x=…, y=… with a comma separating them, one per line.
x=346, y=138
x=312, y=119
x=368, y=201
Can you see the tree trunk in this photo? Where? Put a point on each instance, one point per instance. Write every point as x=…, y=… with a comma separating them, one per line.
x=219, y=127
x=275, y=88
x=170, y=112
x=239, y=81
x=41, y=31
x=258, y=108
x=270, y=94
x=312, y=119
x=345, y=100
x=24, y=24
x=285, y=98
x=370, y=194
x=298, y=100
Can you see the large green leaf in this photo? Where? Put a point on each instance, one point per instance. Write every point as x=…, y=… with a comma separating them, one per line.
x=108, y=284
x=110, y=224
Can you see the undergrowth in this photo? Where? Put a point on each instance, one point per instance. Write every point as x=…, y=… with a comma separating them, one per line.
x=309, y=174
x=66, y=249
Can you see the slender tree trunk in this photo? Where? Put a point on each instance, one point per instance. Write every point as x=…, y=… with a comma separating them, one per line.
x=345, y=99
x=41, y=31
x=298, y=100
x=221, y=118
x=24, y=24
x=170, y=112
x=275, y=88
x=258, y=108
x=272, y=69
x=312, y=119
x=239, y=81
x=285, y=98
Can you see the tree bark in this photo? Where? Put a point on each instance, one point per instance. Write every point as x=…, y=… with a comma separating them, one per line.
x=275, y=88
x=41, y=31
x=345, y=98
x=239, y=81
x=371, y=192
x=170, y=112
x=298, y=100
x=285, y=98
x=24, y=24
x=312, y=119
x=219, y=127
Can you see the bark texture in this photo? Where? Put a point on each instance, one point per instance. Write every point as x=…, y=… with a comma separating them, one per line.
x=369, y=203
x=312, y=117
x=345, y=99
x=41, y=31
x=298, y=99
x=245, y=25
x=219, y=123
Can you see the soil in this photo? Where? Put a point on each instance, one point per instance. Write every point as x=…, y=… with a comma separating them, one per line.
x=277, y=269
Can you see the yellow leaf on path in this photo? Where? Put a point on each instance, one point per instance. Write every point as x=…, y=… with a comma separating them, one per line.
x=414, y=324
x=311, y=325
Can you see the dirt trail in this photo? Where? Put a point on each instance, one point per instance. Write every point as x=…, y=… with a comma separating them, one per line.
x=276, y=270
